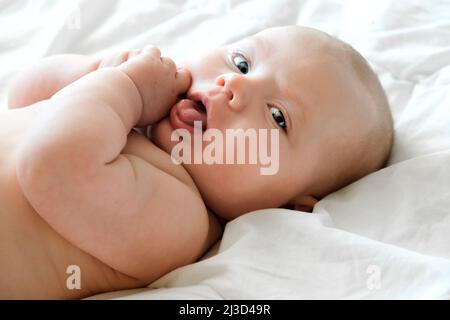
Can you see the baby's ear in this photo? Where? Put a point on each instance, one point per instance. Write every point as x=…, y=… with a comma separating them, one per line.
x=303, y=203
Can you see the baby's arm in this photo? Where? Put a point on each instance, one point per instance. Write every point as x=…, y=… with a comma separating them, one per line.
x=47, y=76
x=117, y=207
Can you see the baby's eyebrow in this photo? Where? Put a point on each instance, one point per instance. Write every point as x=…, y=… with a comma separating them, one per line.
x=260, y=44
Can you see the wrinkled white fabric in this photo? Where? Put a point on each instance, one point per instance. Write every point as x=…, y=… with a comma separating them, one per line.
x=385, y=236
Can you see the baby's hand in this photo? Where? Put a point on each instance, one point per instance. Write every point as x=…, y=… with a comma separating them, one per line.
x=156, y=78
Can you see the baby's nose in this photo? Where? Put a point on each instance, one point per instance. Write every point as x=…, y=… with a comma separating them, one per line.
x=235, y=85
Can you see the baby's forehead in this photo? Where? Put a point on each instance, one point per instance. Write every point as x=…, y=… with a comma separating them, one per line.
x=296, y=37
x=290, y=50
x=297, y=57
x=287, y=48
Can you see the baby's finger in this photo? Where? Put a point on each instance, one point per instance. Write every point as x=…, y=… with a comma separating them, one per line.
x=183, y=79
x=152, y=50
x=120, y=58
x=114, y=60
x=106, y=62
x=169, y=63
x=133, y=53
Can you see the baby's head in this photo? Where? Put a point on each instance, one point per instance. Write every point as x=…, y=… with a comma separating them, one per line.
x=331, y=111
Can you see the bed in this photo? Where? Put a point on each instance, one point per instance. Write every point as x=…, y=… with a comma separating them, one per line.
x=386, y=236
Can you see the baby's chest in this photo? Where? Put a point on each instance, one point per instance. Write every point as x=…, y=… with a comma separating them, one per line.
x=140, y=146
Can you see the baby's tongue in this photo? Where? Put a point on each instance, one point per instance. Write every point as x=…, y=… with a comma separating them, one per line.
x=189, y=111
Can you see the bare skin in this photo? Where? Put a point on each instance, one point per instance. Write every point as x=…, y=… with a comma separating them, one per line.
x=80, y=186
x=303, y=75
x=43, y=231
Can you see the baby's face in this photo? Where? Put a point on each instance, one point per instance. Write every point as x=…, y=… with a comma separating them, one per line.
x=284, y=79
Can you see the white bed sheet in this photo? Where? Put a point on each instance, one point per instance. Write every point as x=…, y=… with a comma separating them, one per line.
x=385, y=236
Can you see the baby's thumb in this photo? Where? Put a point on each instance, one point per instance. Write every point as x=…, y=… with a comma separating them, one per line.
x=183, y=79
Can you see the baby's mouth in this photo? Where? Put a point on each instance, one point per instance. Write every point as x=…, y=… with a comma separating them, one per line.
x=201, y=108
x=185, y=112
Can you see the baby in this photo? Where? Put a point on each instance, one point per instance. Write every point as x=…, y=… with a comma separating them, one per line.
x=84, y=193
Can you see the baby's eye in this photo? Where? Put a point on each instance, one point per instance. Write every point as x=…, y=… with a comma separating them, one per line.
x=279, y=117
x=240, y=62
